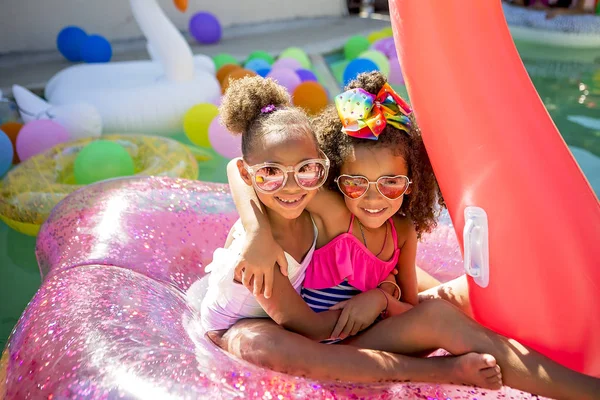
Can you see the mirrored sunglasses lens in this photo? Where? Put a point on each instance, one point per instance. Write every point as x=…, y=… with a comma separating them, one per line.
x=269, y=179
x=353, y=186
x=311, y=175
x=392, y=188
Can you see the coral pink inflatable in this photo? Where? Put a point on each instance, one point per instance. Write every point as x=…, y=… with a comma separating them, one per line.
x=111, y=318
x=493, y=145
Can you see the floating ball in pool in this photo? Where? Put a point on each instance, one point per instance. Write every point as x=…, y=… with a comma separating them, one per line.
x=205, y=28
x=306, y=75
x=263, y=72
x=96, y=49
x=310, y=96
x=379, y=59
x=257, y=64
x=224, y=59
x=235, y=75
x=262, y=55
x=12, y=130
x=224, y=142
x=6, y=153
x=38, y=136
x=286, y=78
x=69, y=42
x=196, y=122
x=101, y=160
x=355, y=45
x=226, y=70
x=297, y=54
x=356, y=67
x=287, y=63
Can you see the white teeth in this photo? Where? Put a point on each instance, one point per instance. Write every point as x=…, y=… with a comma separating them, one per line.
x=288, y=201
x=372, y=211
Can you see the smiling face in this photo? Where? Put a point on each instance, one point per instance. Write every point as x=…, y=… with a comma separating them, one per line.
x=287, y=149
x=373, y=209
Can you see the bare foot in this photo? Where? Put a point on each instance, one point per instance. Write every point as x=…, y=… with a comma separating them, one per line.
x=479, y=370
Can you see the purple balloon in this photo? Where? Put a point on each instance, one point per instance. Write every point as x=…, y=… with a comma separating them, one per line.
x=395, y=77
x=286, y=78
x=224, y=142
x=386, y=46
x=286, y=63
x=38, y=136
x=306, y=75
x=205, y=28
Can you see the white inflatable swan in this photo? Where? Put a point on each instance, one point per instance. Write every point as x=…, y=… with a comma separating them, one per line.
x=142, y=96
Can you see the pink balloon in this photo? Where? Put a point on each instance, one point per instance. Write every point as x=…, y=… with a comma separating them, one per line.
x=217, y=101
x=288, y=63
x=396, y=77
x=285, y=77
x=38, y=136
x=223, y=141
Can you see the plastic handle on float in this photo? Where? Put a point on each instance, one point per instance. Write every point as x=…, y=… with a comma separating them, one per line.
x=475, y=239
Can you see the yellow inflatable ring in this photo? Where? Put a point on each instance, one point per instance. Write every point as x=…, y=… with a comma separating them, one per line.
x=31, y=190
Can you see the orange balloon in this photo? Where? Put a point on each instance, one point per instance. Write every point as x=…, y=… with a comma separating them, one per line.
x=12, y=129
x=226, y=70
x=311, y=96
x=235, y=75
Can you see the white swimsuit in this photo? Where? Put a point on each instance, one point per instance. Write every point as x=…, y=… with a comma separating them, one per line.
x=227, y=301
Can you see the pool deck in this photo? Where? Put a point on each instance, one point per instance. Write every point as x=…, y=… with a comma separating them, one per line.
x=316, y=36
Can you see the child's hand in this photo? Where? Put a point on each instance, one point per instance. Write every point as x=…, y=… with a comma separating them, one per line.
x=358, y=313
x=255, y=267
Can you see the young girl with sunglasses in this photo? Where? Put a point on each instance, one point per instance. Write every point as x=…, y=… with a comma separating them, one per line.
x=380, y=165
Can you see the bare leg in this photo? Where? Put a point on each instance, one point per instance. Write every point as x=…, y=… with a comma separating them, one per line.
x=437, y=323
x=264, y=343
x=425, y=280
x=456, y=292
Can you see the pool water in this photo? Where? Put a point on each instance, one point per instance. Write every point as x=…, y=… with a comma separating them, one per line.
x=568, y=82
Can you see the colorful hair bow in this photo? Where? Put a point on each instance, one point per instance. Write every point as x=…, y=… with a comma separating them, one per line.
x=365, y=115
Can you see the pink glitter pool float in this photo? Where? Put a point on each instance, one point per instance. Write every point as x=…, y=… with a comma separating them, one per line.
x=111, y=318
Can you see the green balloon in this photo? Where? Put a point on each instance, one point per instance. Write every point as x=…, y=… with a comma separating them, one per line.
x=262, y=55
x=102, y=160
x=297, y=54
x=379, y=59
x=338, y=68
x=224, y=58
x=355, y=45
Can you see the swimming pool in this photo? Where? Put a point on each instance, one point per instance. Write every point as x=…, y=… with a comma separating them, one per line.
x=567, y=80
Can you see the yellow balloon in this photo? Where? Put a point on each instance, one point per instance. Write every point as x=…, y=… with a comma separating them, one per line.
x=387, y=32
x=375, y=36
x=196, y=122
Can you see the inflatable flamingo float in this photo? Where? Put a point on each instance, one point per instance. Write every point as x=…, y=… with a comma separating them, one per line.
x=142, y=96
x=528, y=220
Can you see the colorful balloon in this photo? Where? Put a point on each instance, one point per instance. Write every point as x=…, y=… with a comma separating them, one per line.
x=38, y=136
x=100, y=160
x=196, y=122
x=224, y=142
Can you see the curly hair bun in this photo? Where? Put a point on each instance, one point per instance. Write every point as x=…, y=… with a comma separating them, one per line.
x=372, y=82
x=245, y=98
